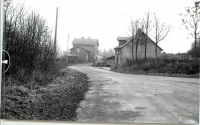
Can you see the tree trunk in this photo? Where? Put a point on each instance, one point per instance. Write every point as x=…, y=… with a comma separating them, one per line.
x=136, y=52
x=145, y=49
x=156, y=52
x=132, y=52
x=195, y=44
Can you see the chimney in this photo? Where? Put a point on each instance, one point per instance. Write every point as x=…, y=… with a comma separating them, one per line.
x=82, y=37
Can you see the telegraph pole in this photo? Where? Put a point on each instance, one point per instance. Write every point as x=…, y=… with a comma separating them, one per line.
x=55, y=39
x=67, y=48
x=195, y=34
x=68, y=43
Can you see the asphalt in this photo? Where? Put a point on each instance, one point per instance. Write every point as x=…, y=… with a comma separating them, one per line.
x=126, y=98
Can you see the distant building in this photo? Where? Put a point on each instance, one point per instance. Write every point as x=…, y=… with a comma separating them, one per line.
x=110, y=61
x=82, y=53
x=123, y=52
x=85, y=49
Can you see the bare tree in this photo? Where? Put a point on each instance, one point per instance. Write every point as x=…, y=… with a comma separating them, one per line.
x=133, y=29
x=29, y=42
x=161, y=30
x=106, y=53
x=146, y=24
x=136, y=37
x=191, y=21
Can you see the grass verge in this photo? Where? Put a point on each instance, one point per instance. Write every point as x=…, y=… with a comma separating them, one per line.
x=165, y=67
x=55, y=101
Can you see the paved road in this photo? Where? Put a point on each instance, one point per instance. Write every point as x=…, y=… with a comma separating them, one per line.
x=127, y=98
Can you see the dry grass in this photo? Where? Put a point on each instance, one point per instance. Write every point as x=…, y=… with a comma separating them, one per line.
x=55, y=101
x=165, y=67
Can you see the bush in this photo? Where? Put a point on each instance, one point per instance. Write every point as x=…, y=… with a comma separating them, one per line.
x=147, y=66
x=164, y=65
x=30, y=45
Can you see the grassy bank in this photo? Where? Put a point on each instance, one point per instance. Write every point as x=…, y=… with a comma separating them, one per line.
x=57, y=100
x=164, y=67
x=35, y=86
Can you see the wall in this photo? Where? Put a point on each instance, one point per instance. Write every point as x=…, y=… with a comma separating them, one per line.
x=82, y=54
x=110, y=62
x=72, y=59
x=151, y=50
x=126, y=52
x=117, y=57
x=121, y=42
x=90, y=48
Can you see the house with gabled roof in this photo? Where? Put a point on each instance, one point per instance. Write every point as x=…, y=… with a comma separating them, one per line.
x=81, y=53
x=123, y=52
x=85, y=48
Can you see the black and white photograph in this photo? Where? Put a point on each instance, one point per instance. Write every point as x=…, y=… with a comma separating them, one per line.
x=101, y=61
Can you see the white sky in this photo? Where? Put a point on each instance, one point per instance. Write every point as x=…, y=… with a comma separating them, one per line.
x=105, y=20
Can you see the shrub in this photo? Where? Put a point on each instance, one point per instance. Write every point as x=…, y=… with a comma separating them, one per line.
x=30, y=45
x=165, y=65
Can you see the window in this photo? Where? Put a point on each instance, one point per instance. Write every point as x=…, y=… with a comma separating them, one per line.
x=78, y=50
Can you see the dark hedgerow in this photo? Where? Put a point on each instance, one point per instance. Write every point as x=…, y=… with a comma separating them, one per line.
x=163, y=66
x=27, y=93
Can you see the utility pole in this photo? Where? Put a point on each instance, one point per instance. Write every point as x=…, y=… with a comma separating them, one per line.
x=55, y=39
x=67, y=48
x=68, y=44
x=195, y=35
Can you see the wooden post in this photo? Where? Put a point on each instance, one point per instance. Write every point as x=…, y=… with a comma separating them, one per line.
x=55, y=39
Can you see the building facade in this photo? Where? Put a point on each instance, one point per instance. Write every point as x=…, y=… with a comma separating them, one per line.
x=82, y=53
x=123, y=52
x=110, y=61
x=88, y=46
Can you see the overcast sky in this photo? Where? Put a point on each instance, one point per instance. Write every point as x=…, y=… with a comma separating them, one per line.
x=105, y=20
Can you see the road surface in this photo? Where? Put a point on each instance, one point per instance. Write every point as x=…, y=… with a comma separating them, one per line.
x=126, y=98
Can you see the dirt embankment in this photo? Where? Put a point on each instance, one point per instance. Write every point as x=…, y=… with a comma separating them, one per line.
x=56, y=101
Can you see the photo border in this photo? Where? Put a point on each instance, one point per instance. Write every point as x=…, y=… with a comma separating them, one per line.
x=1, y=42
x=3, y=121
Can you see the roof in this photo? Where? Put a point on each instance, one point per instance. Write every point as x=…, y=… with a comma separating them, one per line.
x=129, y=40
x=83, y=41
x=80, y=48
x=112, y=58
x=117, y=47
x=123, y=38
